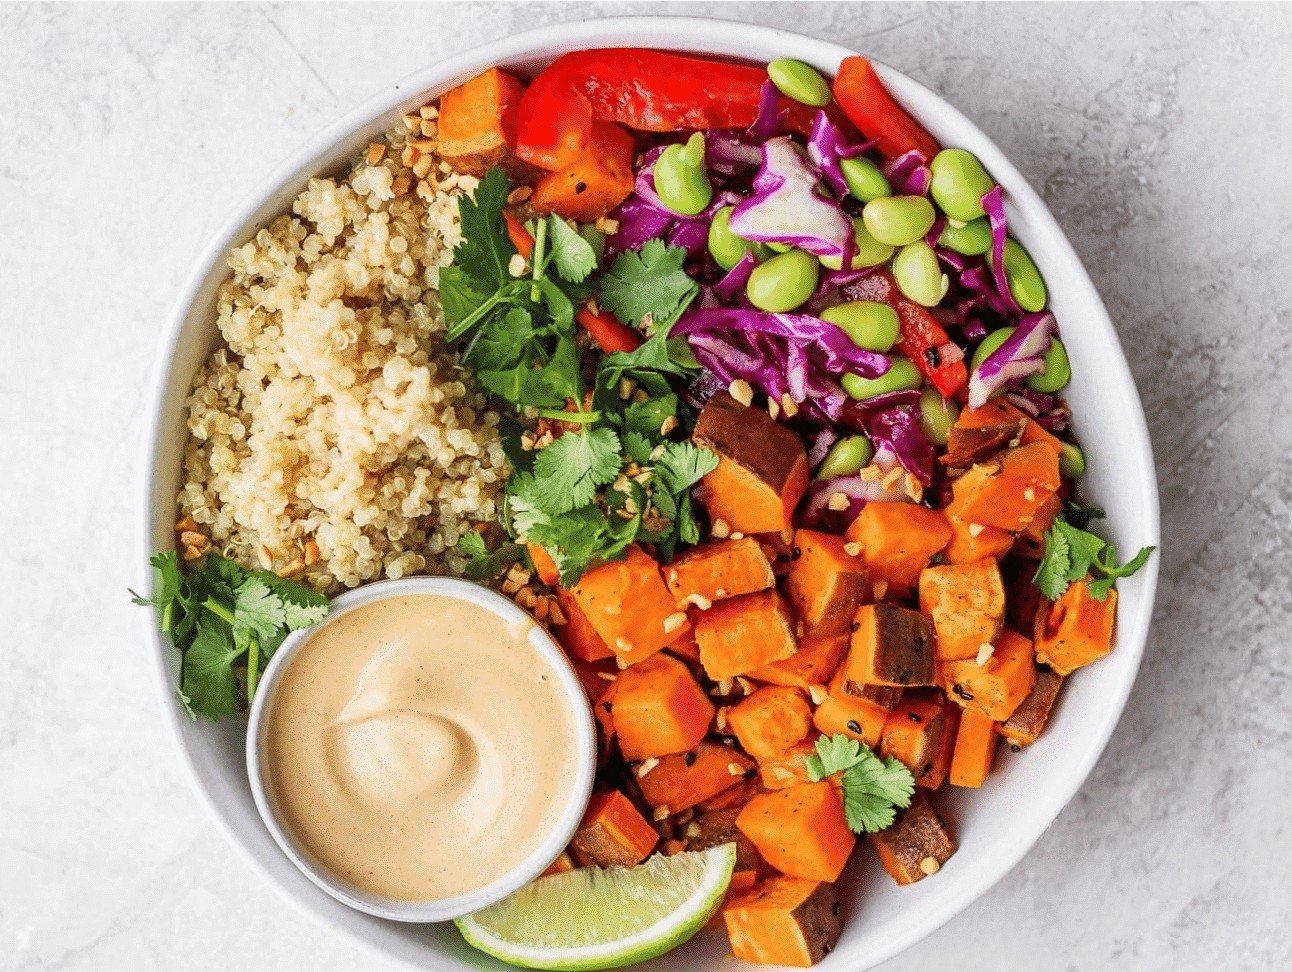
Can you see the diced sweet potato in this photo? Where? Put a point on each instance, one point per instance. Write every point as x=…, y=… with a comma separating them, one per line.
x=825, y=584
x=966, y=446
x=1024, y=727
x=577, y=636
x=770, y=721
x=884, y=696
x=891, y=645
x=477, y=125
x=1076, y=629
x=1030, y=542
x=789, y=767
x=998, y=412
x=897, y=541
x=848, y=715
x=914, y=733
x=718, y=570
x=741, y=634
x=595, y=183
x=682, y=780
x=972, y=541
x=784, y=921
x=659, y=709
x=564, y=862
x=975, y=749
x=967, y=605
x=800, y=830
x=544, y=565
x=613, y=833
x=629, y=607
x=603, y=708
x=686, y=648
x=936, y=775
x=997, y=688
x=916, y=845
x=1009, y=491
x=742, y=882
x=762, y=467
x=718, y=827
x=815, y=663
x=733, y=796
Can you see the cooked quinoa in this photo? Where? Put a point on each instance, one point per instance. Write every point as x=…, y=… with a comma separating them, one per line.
x=334, y=412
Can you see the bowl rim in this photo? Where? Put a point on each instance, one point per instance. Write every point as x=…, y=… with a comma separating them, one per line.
x=719, y=37
x=546, y=851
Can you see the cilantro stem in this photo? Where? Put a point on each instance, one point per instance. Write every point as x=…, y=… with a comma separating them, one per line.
x=477, y=315
x=586, y=418
x=168, y=616
x=253, y=668
x=218, y=609
x=540, y=253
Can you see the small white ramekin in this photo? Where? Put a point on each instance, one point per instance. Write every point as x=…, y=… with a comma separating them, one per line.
x=442, y=909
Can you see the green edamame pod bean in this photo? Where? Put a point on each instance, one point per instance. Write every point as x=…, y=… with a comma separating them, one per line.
x=959, y=183
x=1025, y=281
x=595, y=239
x=1057, y=371
x=681, y=179
x=898, y=220
x=846, y=457
x=864, y=179
x=778, y=247
x=937, y=415
x=783, y=282
x=870, y=324
x=799, y=81
x=919, y=275
x=989, y=344
x=1072, y=461
x=869, y=251
x=901, y=375
x=726, y=247
x=971, y=239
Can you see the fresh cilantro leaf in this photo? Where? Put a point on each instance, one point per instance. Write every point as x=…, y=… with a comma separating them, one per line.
x=486, y=565
x=485, y=250
x=1107, y=566
x=568, y=472
x=833, y=755
x=462, y=296
x=1051, y=577
x=572, y=255
x=503, y=344
x=683, y=465
x=302, y=607
x=649, y=281
x=873, y=791
x=208, y=681
x=1080, y=515
x=257, y=609
x=646, y=418
x=1071, y=554
x=637, y=447
x=528, y=383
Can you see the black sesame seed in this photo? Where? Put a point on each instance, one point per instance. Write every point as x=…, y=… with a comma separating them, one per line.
x=855, y=626
x=690, y=758
x=854, y=726
x=914, y=717
x=796, y=553
x=581, y=187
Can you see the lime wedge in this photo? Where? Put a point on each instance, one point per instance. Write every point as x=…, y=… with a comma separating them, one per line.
x=604, y=919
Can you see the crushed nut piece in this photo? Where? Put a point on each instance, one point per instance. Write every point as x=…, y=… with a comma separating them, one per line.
x=913, y=488
x=661, y=813
x=1029, y=494
x=191, y=553
x=645, y=766
x=608, y=676
x=976, y=529
x=838, y=502
x=429, y=112
x=930, y=865
x=401, y=185
x=788, y=405
x=187, y=524
x=741, y=391
x=735, y=769
x=870, y=473
x=623, y=644
x=699, y=600
x=852, y=548
x=720, y=528
x=692, y=831
x=724, y=687
x=819, y=693
x=772, y=408
x=191, y=538
x=311, y=553
x=894, y=477
x=879, y=589
x=737, y=535
x=519, y=194
x=516, y=265
x=412, y=122
x=409, y=156
x=721, y=718
x=674, y=622
x=265, y=557
x=294, y=567
x=746, y=686
x=668, y=425
x=985, y=651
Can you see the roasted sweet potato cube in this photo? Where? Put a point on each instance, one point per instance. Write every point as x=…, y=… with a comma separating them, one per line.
x=997, y=412
x=1076, y=629
x=800, y=830
x=966, y=446
x=884, y=696
x=718, y=827
x=897, y=541
x=936, y=774
x=784, y=921
x=1024, y=727
x=742, y=882
x=891, y=645
x=762, y=467
x=825, y=584
x=967, y=605
x=659, y=708
x=733, y=796
x=628, y=606
x=770, y=721
x=997, y=687
x=682, y=780
x=613, y=833
x=596, y=181
x=564, y=862
x=577, y=636
x=914, y=733
x=815, y=663
x=789, y=767
x=741, y=634
x=975, y=749
x=1009, y=491
x=916, y=845
x=718, y=570
x=477, y=125
x=973, y=541
x=851, y=716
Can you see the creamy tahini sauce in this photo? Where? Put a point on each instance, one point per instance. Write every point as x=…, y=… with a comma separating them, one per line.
x=419, y=747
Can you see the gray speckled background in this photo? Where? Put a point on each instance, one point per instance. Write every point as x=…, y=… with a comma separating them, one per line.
x=1158, y=134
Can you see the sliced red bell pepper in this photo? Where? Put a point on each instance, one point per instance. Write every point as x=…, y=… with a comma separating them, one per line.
x=608, y=331
x=872, y=109
x=520, y=238
x=652, y=91
x=921, y=335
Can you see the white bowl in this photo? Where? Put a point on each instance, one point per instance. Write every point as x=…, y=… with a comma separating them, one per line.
x=996, y=825
x=443, y=909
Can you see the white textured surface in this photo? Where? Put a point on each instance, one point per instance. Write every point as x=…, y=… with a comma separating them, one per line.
x=1157, y=134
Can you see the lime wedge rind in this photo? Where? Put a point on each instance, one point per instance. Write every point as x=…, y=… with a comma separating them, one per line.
x=709, y=870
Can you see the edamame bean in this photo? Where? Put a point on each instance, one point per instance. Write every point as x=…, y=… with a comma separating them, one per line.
x=1025, y=281
x=680, y=177
x=846, y=457
x=971, y=239
x=870, y=324
x=1057, y=371
x=799, y=81
x=989, y=344
x=1072, y=461
x=726, y=247
x=959, y=183
x=869, y=251
x=864, y=179
x=595, y=239
x=783, y=282
x=898, y=220
x=901, y=375
x=937, y=415
x=919, y=275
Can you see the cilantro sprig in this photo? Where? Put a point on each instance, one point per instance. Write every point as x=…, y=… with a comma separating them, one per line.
x=1071, y=553
x=874, y=789
x=221, y=616
x=648, y=286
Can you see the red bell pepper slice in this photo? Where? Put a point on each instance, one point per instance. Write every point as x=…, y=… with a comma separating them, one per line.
x=872, y=109
x=652, y=91
x=920, y=337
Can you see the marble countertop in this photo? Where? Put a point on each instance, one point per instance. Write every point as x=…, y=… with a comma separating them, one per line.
x=1158, y=134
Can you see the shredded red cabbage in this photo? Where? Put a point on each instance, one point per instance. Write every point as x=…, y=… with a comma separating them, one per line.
x=994, y=204
x=908, y=174
x=1021, y=355
x=898, y=430
x=822, y=442
x=769, y=119
x=826, y=148
x=735, y=279
x=858, y=491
